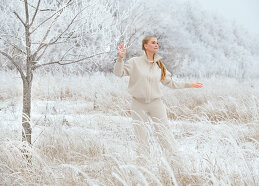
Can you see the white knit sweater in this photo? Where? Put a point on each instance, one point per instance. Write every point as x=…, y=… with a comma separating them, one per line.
x=144, y=83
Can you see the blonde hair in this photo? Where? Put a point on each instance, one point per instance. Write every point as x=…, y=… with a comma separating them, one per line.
x=159, y=62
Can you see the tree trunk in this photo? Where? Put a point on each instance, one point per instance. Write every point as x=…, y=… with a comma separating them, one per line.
x=27, y=81
x=26, y=113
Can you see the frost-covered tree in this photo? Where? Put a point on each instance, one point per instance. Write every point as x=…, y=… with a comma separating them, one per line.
x=43, y=33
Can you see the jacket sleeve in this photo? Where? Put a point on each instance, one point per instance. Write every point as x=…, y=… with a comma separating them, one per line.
x=171, y=83
x=121, y=68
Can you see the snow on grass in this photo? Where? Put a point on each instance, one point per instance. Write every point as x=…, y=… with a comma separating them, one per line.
x=82, y=133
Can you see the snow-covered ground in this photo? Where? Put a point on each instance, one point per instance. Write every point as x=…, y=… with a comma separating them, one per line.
x=82, y=133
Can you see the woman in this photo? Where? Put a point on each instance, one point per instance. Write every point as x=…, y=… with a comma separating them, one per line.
x=146, y=72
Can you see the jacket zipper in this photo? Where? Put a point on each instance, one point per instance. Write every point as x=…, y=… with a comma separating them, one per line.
x=149, y=84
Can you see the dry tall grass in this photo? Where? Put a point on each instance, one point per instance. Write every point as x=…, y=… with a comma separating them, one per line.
x=82, y=133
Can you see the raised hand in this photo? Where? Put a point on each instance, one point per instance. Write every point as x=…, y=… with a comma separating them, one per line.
x=196, y=85
x=122, y=50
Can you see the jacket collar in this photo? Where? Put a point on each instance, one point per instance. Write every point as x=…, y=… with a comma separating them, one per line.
x=156, y=57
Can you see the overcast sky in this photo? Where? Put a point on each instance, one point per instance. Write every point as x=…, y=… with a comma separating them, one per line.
x=244, y=12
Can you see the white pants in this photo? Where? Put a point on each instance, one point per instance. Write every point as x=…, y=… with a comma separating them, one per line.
x=155, y=110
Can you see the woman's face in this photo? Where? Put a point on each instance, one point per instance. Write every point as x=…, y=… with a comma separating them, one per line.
x=152, y=45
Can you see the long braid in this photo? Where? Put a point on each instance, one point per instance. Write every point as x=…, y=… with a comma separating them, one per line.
x=163, y=69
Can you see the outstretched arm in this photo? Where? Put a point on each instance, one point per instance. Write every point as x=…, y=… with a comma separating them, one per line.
x=171, y=83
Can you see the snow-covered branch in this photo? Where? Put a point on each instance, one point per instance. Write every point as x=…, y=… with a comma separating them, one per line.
x=14, y=63
x=19, y=17
x=68, y=61
x=35, y=13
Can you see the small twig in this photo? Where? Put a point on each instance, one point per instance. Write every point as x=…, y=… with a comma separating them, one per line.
x=35, y=13
x=19, y=18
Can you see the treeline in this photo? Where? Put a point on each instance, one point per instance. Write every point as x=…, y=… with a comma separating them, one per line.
x=86, y=34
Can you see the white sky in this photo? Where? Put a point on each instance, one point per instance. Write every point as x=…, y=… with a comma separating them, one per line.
x=244, y=12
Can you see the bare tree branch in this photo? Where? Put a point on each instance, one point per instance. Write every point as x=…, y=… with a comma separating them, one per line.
x=26, y=12
x=59, y=36
x=42, y=10
x=15, y=46
x=19, y=17
x=61, y=42
x=59, y=11
x=62, y=58
x=35, y=13
x=71, y=61
x=68, y=26
x=42, y=44
x=14, y=63
x=40, y=56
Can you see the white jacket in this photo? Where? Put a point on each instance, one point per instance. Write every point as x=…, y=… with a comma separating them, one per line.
x=144, y=83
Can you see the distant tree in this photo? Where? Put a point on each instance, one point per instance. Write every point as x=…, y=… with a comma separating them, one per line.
x=196, y=42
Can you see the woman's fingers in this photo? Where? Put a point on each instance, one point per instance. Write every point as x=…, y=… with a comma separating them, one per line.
x=197, y=85
x=122, y=45
x=122, y=50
